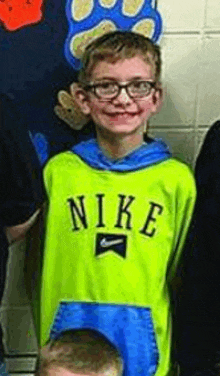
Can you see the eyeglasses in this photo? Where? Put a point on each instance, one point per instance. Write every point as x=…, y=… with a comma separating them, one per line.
x=110, y=90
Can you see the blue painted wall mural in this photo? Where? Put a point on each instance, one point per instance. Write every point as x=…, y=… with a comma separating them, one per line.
x=91, y=18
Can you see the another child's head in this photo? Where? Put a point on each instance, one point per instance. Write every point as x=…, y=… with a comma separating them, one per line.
x=119, y=84
x=80, y=352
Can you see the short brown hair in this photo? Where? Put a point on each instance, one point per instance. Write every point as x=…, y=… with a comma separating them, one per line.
x=117, y=45
x=80, y=351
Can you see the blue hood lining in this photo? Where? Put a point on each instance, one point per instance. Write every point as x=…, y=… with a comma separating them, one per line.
x=150, y=153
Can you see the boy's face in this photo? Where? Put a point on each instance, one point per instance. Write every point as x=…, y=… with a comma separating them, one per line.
x=57, y=371
x=122, y=115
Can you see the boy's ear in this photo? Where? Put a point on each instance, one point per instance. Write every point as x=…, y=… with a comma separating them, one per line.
x=82, y=99
x=158, y=97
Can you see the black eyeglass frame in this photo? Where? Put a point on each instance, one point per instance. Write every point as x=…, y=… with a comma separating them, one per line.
x=92, y=87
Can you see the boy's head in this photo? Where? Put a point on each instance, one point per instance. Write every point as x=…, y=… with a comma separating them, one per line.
x=80, y=352
x=119, y=45
x=119, y=84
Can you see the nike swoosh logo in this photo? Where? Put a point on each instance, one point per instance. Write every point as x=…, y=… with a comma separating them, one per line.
x=105, y=243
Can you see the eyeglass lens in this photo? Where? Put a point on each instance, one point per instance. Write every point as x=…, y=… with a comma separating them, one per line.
x=135, y=89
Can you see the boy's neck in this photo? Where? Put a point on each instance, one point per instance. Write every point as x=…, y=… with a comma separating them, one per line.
x=118, y=147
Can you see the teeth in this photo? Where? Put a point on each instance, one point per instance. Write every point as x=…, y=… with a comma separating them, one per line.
x=122, y=114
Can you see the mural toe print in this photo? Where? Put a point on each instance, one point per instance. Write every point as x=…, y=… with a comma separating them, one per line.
x=68, y=110
x=89, y=19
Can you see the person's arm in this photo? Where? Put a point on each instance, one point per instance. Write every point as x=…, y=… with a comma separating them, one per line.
x=18, y=232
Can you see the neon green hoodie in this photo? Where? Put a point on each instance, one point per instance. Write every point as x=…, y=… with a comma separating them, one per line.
x=115, y=238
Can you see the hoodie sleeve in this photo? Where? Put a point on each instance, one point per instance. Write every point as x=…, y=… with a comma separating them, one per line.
x=185, y=201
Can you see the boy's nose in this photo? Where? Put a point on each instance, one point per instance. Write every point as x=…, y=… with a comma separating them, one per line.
x=123, y=97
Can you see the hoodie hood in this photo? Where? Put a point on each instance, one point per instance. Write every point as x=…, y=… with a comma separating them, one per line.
x=152, y=152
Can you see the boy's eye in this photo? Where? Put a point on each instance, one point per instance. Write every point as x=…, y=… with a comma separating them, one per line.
x=106, y=88
x=110, y=90
x=140, y=86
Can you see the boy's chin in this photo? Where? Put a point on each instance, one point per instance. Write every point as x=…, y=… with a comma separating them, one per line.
x=120, y=131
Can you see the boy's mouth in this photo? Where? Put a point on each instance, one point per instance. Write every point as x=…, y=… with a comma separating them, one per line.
x=122, y=115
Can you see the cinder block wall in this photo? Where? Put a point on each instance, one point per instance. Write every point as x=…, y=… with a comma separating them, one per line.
x=191, y=74
x=15, y=315
x=191, y=77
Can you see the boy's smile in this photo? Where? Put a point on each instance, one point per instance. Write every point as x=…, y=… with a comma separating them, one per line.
x=60, y=371
x=122, y=115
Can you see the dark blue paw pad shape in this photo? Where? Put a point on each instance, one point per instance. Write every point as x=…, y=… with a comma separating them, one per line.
x=41, y=146
x=89, y=19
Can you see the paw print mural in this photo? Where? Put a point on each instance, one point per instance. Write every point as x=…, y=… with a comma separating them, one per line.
x=15, y=14
x=68, y=110
x=41, y=145
x=89, y=19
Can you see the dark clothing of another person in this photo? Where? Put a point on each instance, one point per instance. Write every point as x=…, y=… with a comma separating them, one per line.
x=20, y=188
x=198, y=314
x=33, y=70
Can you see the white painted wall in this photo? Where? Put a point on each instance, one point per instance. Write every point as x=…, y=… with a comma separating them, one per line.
x=191, y=75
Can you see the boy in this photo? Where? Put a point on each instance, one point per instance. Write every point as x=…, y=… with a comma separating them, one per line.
x=119, y=210
x=80, y=352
